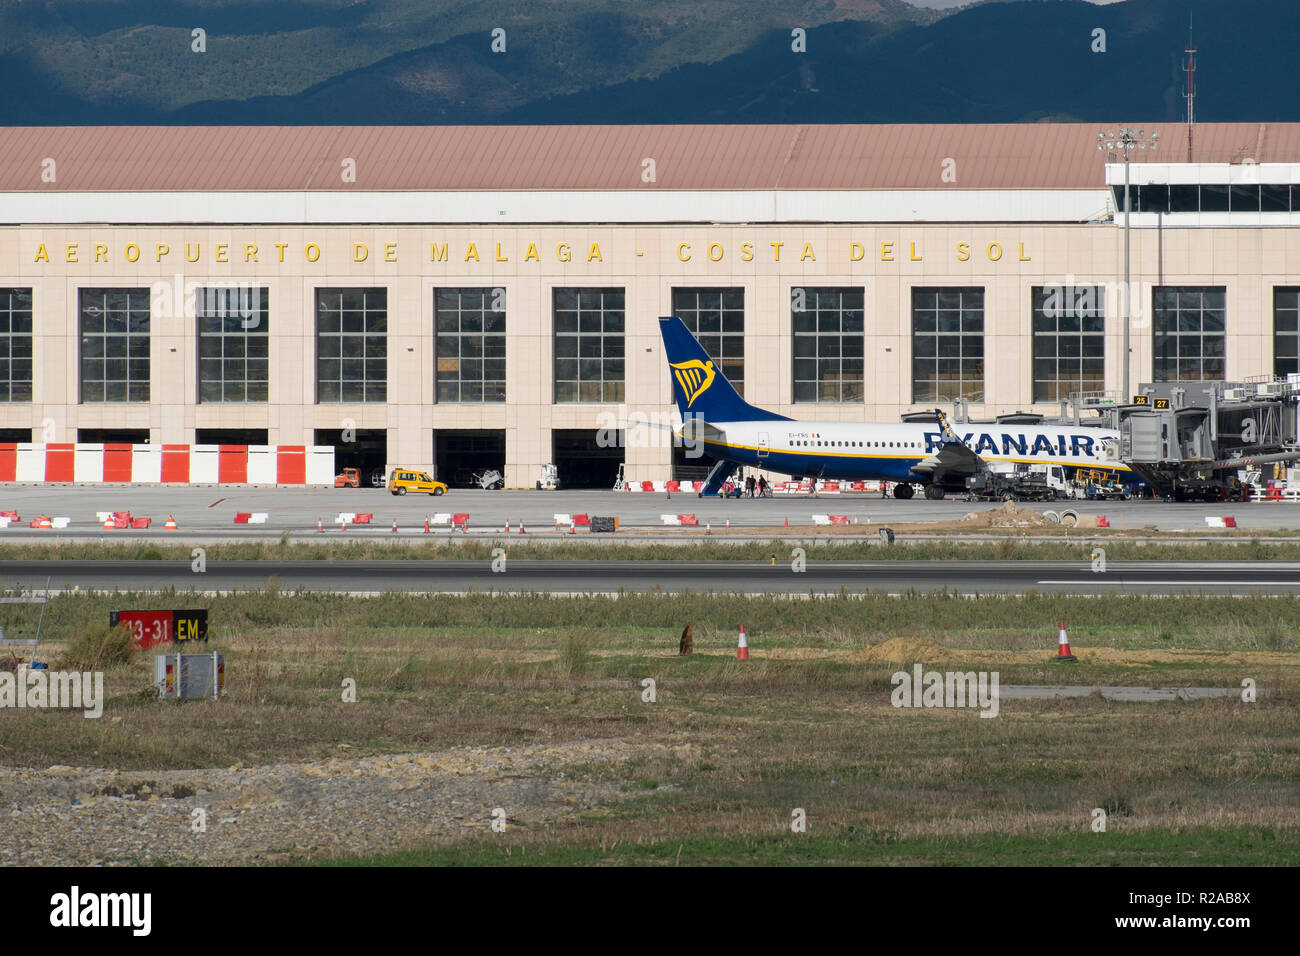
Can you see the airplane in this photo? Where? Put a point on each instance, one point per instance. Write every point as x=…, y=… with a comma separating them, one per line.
x=928, y=454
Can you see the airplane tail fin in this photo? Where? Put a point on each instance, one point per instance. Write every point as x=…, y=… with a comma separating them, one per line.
x=701, y=390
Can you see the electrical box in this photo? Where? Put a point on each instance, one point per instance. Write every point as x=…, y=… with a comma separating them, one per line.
x=1235, y=394
x=190, y=676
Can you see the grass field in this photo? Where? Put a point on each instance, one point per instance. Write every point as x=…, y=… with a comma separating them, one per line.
x=818, y=546
x=717, y=764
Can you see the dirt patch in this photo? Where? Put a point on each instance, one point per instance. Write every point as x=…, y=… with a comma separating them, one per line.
x=900, y=649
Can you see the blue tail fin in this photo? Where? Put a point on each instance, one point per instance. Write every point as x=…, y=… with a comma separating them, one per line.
x=701, y=390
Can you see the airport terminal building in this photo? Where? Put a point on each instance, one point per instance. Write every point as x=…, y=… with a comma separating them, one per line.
x=458, y=298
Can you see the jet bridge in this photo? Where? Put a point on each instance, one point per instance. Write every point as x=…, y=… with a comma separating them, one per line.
x=1188, y=438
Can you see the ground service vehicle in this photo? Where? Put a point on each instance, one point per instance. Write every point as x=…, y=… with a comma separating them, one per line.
x=403, y=480
x=350, y=478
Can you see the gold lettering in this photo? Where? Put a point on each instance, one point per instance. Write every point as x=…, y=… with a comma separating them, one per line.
x=70, y=253
x=963, y=251
x=807, y=252
x=101, y=252
x=681, y=246
x=311, y=251
x=500, y=257
x=41, y=254
x=197, y=250
x=746, y=252
x=437, y=253
x=531, y=255
x=776, y=250
x=360, y=252
x=989, y=251
x=886, y=252
x=595, y=253
x=911, y=252
x=564, y=252
x=471, y=252
x=250, y=252
x=1023, y=257
x=223, y=252
x=160, y=249
x=718, y=247
x=390, y=252
x=129, y=256
x=856, y=251
x=280, y=247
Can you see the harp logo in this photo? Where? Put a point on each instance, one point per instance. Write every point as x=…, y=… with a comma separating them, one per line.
x=694, y=377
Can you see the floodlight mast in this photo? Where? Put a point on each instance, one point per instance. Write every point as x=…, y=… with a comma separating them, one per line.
x=1126, y=138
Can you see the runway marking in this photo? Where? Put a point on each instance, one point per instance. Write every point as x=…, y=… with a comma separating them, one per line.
x=1184, y=583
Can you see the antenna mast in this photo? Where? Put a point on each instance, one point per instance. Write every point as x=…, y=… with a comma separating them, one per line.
x=1190, y=69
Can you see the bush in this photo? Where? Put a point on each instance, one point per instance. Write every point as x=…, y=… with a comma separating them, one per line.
x=97, y=648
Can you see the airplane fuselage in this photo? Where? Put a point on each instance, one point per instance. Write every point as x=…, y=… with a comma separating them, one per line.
x=870, y=451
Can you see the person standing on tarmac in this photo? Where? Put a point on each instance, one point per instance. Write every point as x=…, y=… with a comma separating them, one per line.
x=884, y=489
x=749, y=486
x=762, y=486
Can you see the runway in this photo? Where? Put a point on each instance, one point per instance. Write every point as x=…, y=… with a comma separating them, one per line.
x=819, y=578
x=209, y=513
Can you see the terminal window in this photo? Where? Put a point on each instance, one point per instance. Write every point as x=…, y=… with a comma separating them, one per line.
x=829, y=329
x=589, y=345
x=470, y=348
x=947, y=344
x=114, y=344
x=716, y=317
x=1069, y=340
x=1286, y=330
x=1190, y=333
x=351, y=345
x=233, y=338
x=15, y=345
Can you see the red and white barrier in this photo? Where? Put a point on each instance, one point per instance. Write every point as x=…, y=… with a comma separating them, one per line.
x=561, y=520
x=91, y=464
x=1228, y=521
x=830, y=519
x=250, y=517
x=686, y=520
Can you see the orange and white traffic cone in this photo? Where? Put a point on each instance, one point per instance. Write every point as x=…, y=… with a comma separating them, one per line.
x=171, y=524
x=394, y=526
x=426, y=524
x=507, y=531
x=728, y=524
x=521, y=526
x=708, y=527
x=109, y=523
x=787, y=521
x=572, y=529
x=320, y=528
x=742, y=646
x=1063, y=654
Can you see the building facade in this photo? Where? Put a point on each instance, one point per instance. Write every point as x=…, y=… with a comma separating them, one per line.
x=462, y=299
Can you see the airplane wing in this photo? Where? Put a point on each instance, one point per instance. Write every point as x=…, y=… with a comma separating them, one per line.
x=953, y=457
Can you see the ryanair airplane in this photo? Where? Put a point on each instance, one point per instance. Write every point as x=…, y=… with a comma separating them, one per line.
x=928, y=454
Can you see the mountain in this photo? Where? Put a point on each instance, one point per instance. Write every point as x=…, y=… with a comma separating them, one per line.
x=618, y=61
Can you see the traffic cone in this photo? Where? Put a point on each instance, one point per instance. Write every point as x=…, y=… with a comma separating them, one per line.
x=1102, y=522
x=46, y=522
x=728, y=524
x=507, y=531
x=394, y=526
x=426, y=524
x=109, y=524
x=572, y=529
x=171, y=524
x=320, y=528
x=1063, y=654
x=742, y=646
x=787, y=521
x=708, y=527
